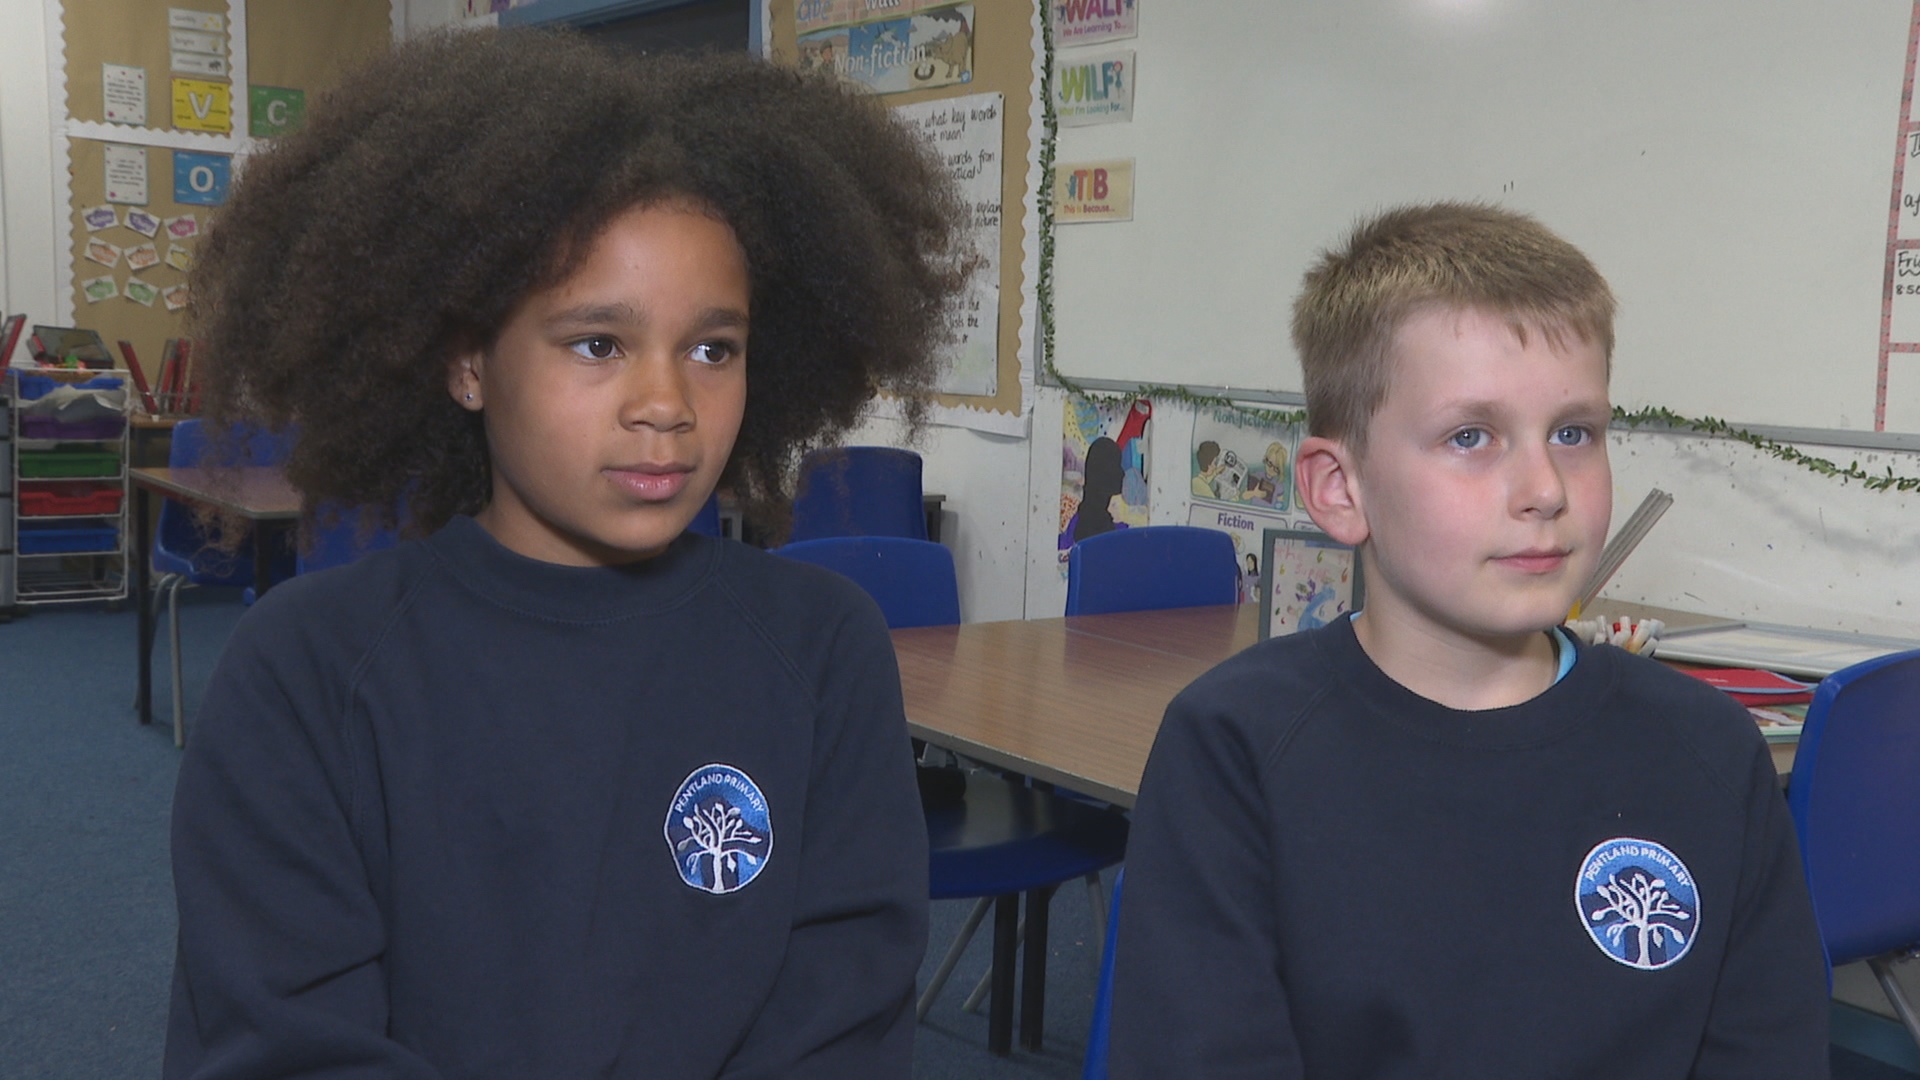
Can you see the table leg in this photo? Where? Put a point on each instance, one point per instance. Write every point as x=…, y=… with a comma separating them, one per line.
x=139, y=566
x=1006, y=948
x=1033, y=969
x=263, y=540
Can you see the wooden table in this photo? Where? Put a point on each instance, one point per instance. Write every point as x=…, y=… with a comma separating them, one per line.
x=1074, y=701
x=259, y=494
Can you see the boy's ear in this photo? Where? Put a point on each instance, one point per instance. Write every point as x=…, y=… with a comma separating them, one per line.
x=1326, y=472
x=464, y=382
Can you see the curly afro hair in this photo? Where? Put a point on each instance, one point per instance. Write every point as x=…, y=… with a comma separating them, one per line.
x=437, y=187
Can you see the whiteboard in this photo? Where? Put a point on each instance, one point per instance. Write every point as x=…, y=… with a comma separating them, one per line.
x=1727, y=165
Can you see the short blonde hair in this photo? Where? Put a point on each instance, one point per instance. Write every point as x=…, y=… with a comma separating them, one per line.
x=1409, y=259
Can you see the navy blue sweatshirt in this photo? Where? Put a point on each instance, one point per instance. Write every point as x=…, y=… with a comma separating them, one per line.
x=1331, y=877
x=452, y=812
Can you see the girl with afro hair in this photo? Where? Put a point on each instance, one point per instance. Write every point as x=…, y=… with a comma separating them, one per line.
x=556, y=788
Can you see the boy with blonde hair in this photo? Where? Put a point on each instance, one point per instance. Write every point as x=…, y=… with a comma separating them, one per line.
x=1443, y=838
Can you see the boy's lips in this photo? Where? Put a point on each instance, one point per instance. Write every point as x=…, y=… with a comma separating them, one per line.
x=1535, y=560
x=650, y=482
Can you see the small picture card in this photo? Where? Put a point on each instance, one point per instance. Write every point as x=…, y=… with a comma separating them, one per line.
x=123, y=91
x=207, y=22
x=100, y=288
x=100, y=217
x=176, y=297
x=143, y=223
x=1307, y=580
x=1093, y=191
x=141, y=293
x=197, y=41
x=183, y=227
x=126, y=174
x=103, y=253
x=179, y=258
x=193, y=63
x=143, y=257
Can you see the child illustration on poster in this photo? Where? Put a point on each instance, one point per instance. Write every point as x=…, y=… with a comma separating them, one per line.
x=1238, y=459
x=1103, y=477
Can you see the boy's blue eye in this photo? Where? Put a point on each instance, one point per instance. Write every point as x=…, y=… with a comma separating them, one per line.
x=1470, y=439
x=599, y=347
x=1571, y=435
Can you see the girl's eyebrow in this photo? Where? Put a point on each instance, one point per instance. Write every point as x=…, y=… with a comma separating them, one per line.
x=595, y=315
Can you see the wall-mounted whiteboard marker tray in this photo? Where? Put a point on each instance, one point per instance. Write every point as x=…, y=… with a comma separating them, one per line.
x=1790, y=650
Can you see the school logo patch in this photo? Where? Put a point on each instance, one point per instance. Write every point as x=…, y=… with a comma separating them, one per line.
x=719, y=830
x=1638, y=902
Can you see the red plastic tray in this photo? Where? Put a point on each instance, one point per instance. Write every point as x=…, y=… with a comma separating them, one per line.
x=43, y=500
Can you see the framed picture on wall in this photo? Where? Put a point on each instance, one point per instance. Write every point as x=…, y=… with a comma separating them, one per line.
x=1307, y=580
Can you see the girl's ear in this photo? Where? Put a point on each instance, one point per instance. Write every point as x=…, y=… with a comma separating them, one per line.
x=464, y=381
x=1327, y=474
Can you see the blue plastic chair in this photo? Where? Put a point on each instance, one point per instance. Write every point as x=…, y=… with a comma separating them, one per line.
x=998, y=837
x=341, y=543
x=1856, y=806
x=912, y=580
x=1151, y=568
x=859, y=491
x=183, y=552
x=707, y=521
x=1100, y=1033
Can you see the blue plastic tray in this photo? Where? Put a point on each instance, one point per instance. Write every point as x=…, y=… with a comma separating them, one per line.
x=40, y=541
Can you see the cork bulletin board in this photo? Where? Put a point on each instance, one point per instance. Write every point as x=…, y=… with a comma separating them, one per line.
x=298, y=47
x=1003, y=62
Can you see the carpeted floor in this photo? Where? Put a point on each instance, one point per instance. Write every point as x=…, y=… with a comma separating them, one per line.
x=86, y=904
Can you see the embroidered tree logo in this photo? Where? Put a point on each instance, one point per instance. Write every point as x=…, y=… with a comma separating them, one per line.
x=717, y=835
x=1640, y=904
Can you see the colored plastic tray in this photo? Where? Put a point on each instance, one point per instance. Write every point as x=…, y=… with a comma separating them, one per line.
x=63, y=462
x=43, y=427
x=34, y=540
x=69, y=497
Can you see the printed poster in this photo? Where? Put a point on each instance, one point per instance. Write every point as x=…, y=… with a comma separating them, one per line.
x=1903, y=327
x=1086, y=22
x=1314, y=580
x=1093, y=191
x=273, y=110
x=926, y=48
x=201, y=179
x=1096, y=89
x=124, y=91
x=199, y=105
x=1103, y=475
x=126, y=168
x=1240, y=481
x=967, y=134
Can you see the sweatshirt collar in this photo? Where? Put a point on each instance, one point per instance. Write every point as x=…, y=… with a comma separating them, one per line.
x=572, y=593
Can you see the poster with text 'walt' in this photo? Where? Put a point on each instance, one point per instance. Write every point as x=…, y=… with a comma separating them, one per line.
x=1085, y=22
x=907, y=47
x=966, y=133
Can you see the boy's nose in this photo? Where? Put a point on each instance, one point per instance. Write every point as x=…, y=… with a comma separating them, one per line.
x=1538, y=487
x=656, y=396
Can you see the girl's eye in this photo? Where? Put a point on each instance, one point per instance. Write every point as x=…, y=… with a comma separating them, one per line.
x=598, y=347
x=1571, y=435
x=1470, y=439
x=711, y=352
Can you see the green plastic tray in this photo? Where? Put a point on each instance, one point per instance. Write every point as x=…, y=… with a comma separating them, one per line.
x=35, y=464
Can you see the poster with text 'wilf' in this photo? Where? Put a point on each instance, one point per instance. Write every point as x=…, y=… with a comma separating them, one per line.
x=1095, y=89
x=1103, y=473
x=966, y=132
x=901, y=50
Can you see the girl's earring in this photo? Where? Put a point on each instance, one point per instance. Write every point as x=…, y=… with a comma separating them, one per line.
x=469, y=395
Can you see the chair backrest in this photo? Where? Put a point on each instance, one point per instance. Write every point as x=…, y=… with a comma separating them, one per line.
x=340, y=543
x=707, y=521
x=911, y=580
x=1098, y=1036
x=189, y=444
x=1150, y=568
x=859, y=491
x=1856, y=804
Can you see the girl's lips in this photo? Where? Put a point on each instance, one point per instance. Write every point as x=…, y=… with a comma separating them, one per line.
x=650, y=483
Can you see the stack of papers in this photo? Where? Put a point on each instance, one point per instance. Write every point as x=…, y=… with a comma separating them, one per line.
x=1750, y=687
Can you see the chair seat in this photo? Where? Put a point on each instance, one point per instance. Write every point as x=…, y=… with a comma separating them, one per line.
x=1005, y=837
